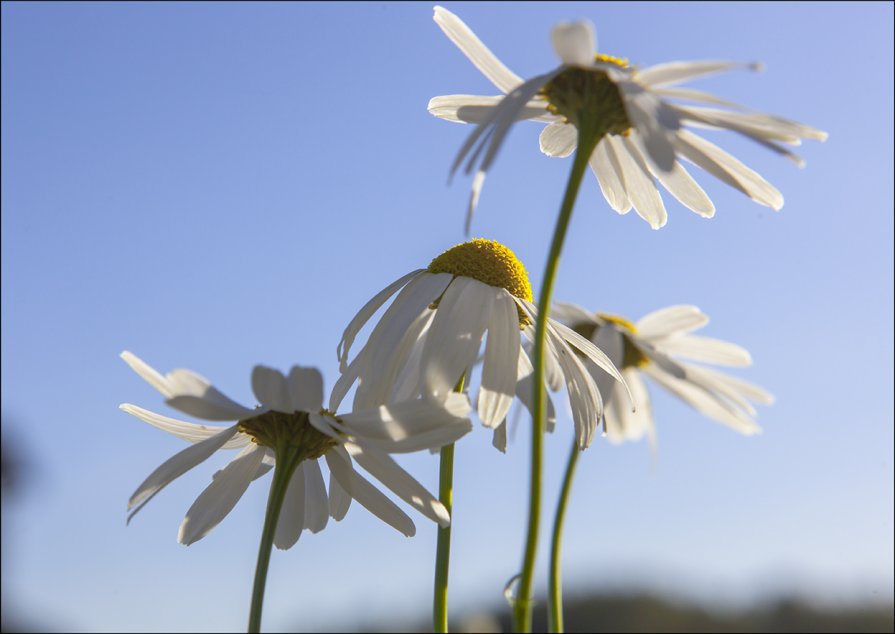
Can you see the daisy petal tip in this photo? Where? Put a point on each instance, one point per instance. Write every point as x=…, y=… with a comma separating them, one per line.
x=757, y=67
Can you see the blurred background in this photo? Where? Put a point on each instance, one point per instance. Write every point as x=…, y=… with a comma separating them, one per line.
x=216, y=185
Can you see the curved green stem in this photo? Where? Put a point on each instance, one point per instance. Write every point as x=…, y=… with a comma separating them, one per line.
x=287, y=459
x=443, y=548
x=554, y=606
x=588, y=135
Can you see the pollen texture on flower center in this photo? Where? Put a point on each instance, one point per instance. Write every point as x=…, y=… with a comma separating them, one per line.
x=487, y=261
x=277, y=429
x=578, y=93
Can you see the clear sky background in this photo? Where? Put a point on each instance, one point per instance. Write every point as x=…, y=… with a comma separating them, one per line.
x=217, y=185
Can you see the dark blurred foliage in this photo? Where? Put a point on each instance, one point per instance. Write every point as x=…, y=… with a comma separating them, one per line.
x=644, y=613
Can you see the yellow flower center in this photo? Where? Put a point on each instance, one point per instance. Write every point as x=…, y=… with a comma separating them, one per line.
x=278, y=430
x=489, y=262
x=632, y=357
x=588, y=93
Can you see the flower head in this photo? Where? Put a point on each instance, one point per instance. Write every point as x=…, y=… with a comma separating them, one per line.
x=641, y=132
x=290, y=424
x=430, y=336
x=654, y=346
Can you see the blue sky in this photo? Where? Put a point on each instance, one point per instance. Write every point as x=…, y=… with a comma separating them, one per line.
x=218, y=185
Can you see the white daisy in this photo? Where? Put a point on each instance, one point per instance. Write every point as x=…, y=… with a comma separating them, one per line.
x=654, y=347
x=291, y=416
x=641, y=135
x=429, y=338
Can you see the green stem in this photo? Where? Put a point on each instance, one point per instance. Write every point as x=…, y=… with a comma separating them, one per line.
x=588, y=135
x=443, y=547
x=554, y=607
x=287, y=459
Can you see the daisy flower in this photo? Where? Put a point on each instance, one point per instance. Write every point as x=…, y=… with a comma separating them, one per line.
x=291, y=424
x=642, y=132
x=430, y=336
x=654, y=347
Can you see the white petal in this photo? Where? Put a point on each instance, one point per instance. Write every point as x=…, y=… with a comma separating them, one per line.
x=367, y=495
x=621, y=423
x=559, y=139
x=382, y=467
x=571, y=315
x=190, y=432
x=339, y=499
x=305, y=389
x=365, y=313
x=679, y=319
x=728, y=169
x=175, y=467
x=292, y=514
x=409, y=426
x=574, y=42
x=524, y=390
x=384, y=382
x=655, y=121
x=706, y=349
x=678, y=182
x=410, y=303
x=147, y=372
x=711, y=406
x=611, y=342
x=587, y=405
x=345, y=381
x=499, y=369
x=476, y=109
x=639, y=185
x=407, y=384
x=271, y=389
x=316, y=502
x=679, y=72
x=219, y=498
x=607, y=168
x=477, y=53
x=194, y=395
x=552, y=372
x=729, y=383
x=456, y=334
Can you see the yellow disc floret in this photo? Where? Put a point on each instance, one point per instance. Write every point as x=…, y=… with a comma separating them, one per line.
x=487, y=261
x=619, y=321
x=621, y=62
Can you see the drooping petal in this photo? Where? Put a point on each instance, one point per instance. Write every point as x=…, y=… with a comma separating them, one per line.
x=339, y=498
x=368, y=496
x=305, y=389
x=316, y=501
x=677, y=181
x=409, y=426
x=670, y=73
x=704, y=402
x=365, y=313
x=476, y=108
x=383, y=343
x=477, y=53
x=499, y=437
x=191, y=432
x=456, y=334
x=575, y=43
x=639, y=185
x=176, y=466
x=382, y=467
x=728, y=169
x=656, y=122
x=189, y=392
x=571, y=314
x=292, y=514
x=219, y=498
x=271, y=389
x=679, y=319
x=728, y=383
x=499, y=368
x=559, y=139
x=606, y=167
x=621, y=423
x=706, y=349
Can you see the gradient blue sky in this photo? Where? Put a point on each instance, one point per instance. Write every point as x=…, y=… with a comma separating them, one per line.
x=217, y=185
